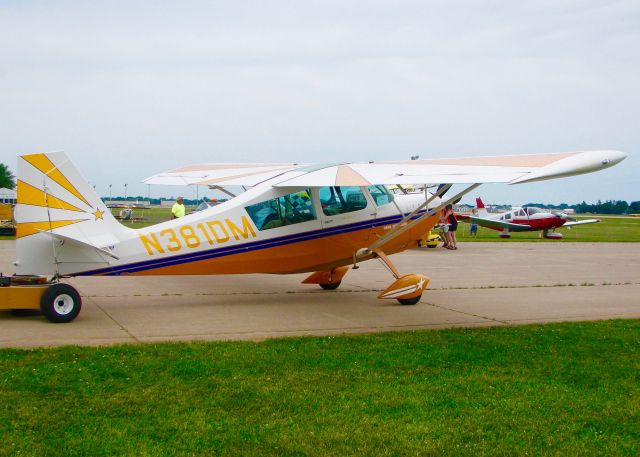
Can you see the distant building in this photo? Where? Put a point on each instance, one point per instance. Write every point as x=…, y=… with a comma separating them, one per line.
x=463, y=208
x=8, y=196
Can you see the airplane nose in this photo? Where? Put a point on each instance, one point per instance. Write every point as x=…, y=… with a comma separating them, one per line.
x=565, y=217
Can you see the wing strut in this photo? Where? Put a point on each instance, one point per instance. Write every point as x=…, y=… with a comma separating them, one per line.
x=392, y=233
x=399, y=228
x=222, y=189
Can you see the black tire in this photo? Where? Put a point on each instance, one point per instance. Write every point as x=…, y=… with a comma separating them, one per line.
x=332, y=286
x=410, y=301
x=60, y=303
x=432, y=246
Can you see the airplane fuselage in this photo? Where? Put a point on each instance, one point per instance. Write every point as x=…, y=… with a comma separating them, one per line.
x=537, y=221
x=226, y=239
x=264, y=230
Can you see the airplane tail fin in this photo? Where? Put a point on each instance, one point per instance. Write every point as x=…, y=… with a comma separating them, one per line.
x=482, y=211
x=61, y=223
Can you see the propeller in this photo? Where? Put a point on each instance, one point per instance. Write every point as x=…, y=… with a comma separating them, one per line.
x=564, y=216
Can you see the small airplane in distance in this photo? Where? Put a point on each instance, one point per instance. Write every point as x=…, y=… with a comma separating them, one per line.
x=524, y=219
x=318, y=218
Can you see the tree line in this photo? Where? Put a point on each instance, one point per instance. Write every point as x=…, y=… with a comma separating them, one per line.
x=606, y=207
x=154, y=201
x=7, y=180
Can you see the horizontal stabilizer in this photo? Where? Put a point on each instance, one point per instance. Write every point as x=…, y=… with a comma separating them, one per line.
x=68, y=240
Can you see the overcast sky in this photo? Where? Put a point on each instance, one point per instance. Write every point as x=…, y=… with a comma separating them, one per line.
x=129, y=88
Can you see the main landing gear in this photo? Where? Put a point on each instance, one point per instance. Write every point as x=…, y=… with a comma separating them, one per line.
x=505, y=234
x=550, y=235
x=328, y=280
x=406, y=289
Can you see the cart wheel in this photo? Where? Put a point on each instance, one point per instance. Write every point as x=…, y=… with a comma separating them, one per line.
x=332, y=286
x=60, y=303
x=409, y=301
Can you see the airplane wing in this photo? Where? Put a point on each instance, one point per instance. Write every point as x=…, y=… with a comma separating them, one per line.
x=497, y=224
x=244, y=174
x=582, y=222
x=514, y=169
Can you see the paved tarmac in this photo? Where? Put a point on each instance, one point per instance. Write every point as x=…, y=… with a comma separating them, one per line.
x=481, y=284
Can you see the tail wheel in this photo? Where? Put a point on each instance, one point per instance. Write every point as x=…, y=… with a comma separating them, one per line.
x=409, y=301
x=332, y=286
x=60, y=303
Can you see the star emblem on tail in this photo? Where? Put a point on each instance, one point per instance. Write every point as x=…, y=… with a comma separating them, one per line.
x=98, y=214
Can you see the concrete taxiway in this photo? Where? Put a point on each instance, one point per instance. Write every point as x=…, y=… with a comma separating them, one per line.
x=481, y=284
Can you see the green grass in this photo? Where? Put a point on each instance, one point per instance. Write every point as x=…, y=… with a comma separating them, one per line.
x=149, y=216
x=561, y=389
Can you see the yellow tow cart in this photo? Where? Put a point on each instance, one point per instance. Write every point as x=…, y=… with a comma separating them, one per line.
x=58, y=302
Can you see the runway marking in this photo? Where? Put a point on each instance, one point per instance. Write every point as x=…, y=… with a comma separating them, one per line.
x=216, y=294
x=124, y=329
x=363, y=289
x=467, y=314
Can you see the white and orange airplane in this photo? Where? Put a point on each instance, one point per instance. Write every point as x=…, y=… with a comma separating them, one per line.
x=292, y=218
x=524, y=219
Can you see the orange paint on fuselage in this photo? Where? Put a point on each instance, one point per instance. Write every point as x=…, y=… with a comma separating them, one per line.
x=322, y=253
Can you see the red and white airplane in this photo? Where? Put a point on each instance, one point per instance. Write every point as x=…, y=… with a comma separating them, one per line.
x=524, y=219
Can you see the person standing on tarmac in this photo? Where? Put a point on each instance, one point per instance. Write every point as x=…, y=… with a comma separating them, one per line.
x=453, y=227
x=473, y=227
x=178, y=210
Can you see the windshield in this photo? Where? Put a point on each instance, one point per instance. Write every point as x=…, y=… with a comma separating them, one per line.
x=381, y=195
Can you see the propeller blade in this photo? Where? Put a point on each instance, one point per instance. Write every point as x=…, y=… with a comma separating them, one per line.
x=564, y=216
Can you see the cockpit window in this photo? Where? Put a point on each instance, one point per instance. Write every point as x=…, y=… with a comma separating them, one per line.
x=341, y=199
x=531, y=210
x=381, y=195
x=286, y=210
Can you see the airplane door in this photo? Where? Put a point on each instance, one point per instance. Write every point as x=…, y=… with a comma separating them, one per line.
x=347, y=210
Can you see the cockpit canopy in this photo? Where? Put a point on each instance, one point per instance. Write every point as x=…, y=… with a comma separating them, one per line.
x=300, y=206
x=533, y=210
